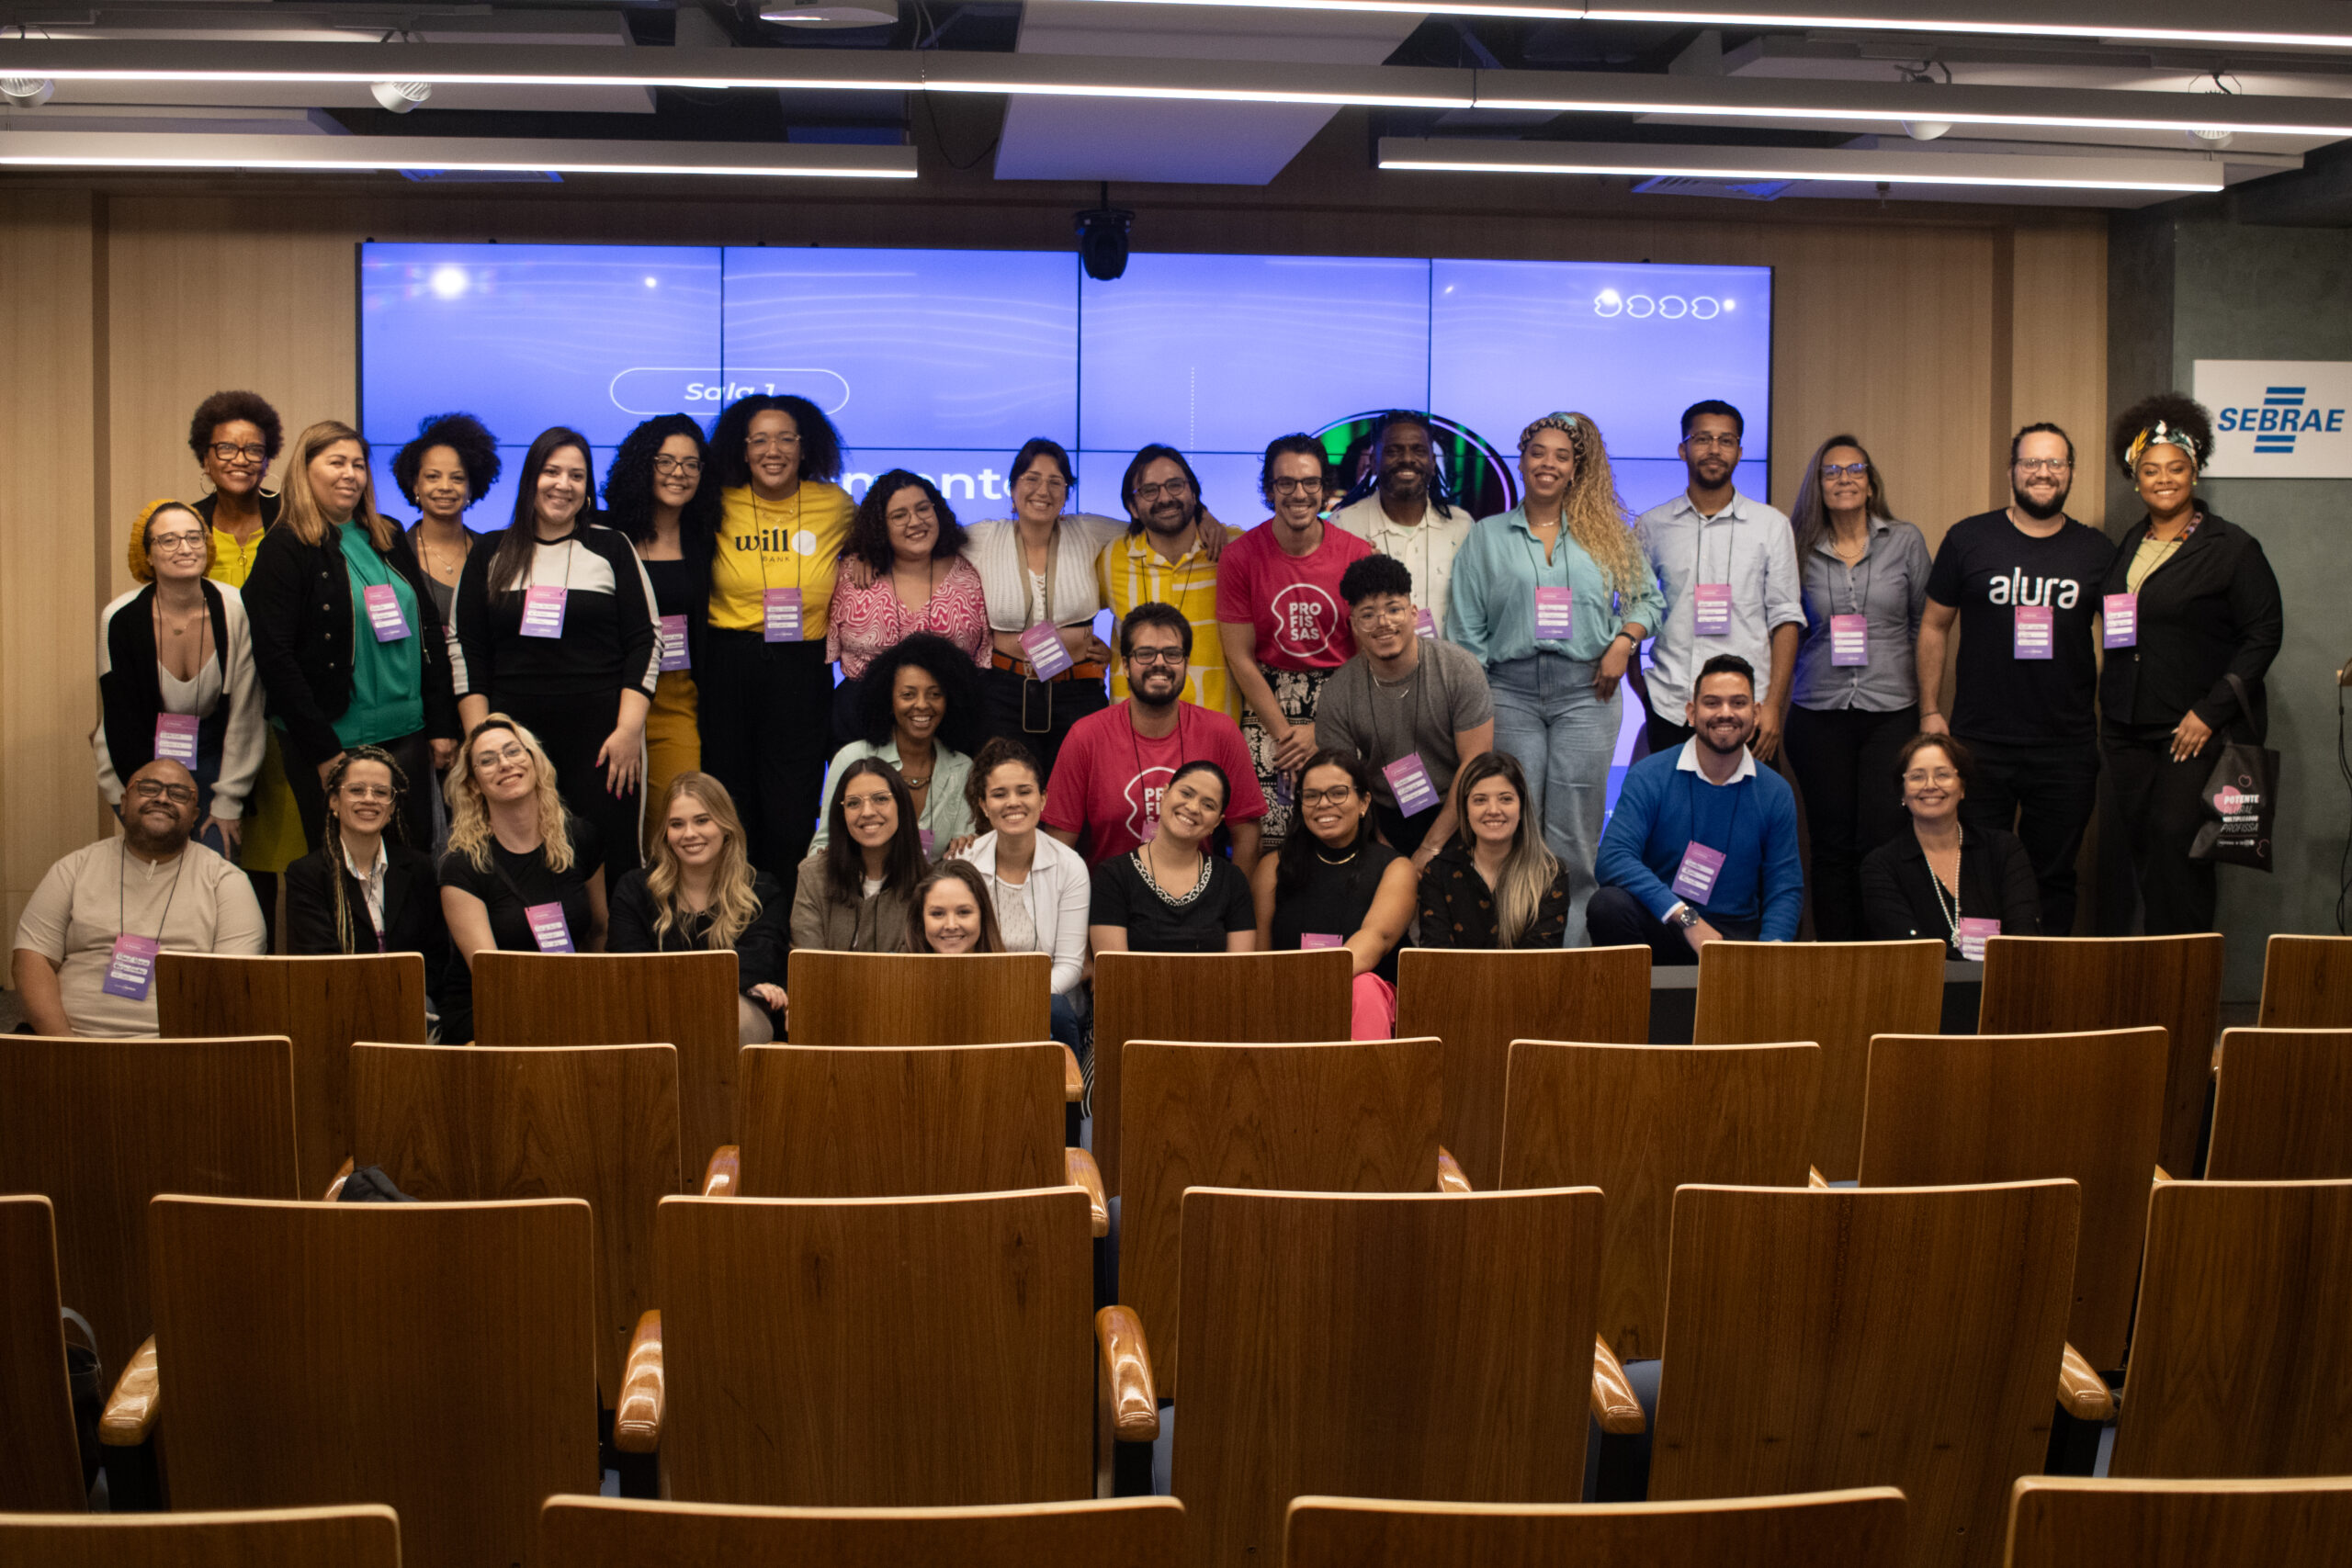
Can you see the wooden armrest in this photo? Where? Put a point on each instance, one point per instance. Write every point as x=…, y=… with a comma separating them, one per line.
x=1073, y=1078
x=1079, y=1169
x=1449, y=1174
x=1813, y=1177
x=333, y=1193
x=130, y=1415
x=636, y=1416
x=2082, y=1393
x=724, y=1173
x=1130, y=1404
x=1613, y=1405
x=2163, y=1175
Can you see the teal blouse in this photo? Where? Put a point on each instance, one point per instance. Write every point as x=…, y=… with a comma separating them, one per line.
x=387, y=678
x=1500, y=565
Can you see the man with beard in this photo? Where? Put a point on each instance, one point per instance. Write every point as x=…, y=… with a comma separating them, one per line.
x=1117, y=763
x=87, y=946
x=1168, y=558
x=1703, y=842
x=2023, y=583
x=1727, y=566
x=1409, y=513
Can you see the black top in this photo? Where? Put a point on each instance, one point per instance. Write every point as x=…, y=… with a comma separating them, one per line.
x=1334, y=900
x=445, y=594
x=1988, y=567
x=1458, y=907
x=760, y=949
x=2211, y=610
x=607, y=640
x=130, y=690
x=269, y=501
x=412, y=921
x=1997, y=882
x=515, y=883
x=1220, y=903
x=299, y=599
x=683, y=588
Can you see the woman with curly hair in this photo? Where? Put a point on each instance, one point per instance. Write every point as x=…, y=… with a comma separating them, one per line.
x=656, y=496
x=916, y=580
x=920, y=712
x=451, y=464
x=2193, y=619
x=1554, y=596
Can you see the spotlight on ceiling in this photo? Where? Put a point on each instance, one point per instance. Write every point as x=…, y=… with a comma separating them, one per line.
x=831, y=12
x=400, y=96
x=1925, y=129
x=27, y=92
x=1102, y=239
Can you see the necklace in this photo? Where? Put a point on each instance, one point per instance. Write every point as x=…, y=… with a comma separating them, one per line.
x=1344, y=859
x=1950, y=911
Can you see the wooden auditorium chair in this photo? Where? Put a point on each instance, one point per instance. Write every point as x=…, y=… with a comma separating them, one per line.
x=926, y=999
x=364, y=1535
x=2282, y=1106
x=41, y=1457
x=1859, y=1529
x=1126, y=1532
x=2306, y=982
x=2063, y=1521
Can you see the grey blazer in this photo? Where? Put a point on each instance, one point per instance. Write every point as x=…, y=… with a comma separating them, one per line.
x=877, y=924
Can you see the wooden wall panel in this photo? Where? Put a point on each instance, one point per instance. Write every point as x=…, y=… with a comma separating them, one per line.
x=2058, y=345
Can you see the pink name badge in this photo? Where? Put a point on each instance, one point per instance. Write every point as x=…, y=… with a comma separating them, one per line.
x=1973, y=932
x=1850, y=639
x=2121, y=621
x=543, y=612
x=1309, y=940
x=1047, y=656
x=781, y=607
x=928, y=838
x=548, y=928
x=673, y=643
x=131, y=969
x=1425, y=624
x=1714, y=610
x=1554, y=614
x=2033, y=632
x=175, y=736
x=1696, y=879
x=1410, y=780
x=384, y=612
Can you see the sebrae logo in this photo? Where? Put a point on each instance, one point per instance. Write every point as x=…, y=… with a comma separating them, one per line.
x=2281, y=417
x=2017, y=588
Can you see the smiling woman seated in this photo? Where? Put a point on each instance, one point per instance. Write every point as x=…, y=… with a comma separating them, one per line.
x=1334, y=885
x=1170, y=895
x=700, y=894
x=852, y=896
x=362, y=892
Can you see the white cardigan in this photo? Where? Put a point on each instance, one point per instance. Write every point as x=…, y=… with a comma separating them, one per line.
x=994, y=549
x=1059, y=894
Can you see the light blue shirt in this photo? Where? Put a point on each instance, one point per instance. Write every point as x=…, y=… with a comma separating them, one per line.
x=1495, y=575
x=1748, y=545
x=946, y=815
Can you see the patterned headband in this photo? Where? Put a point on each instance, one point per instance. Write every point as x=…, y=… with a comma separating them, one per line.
x=1566, y=424
x=2159, y=435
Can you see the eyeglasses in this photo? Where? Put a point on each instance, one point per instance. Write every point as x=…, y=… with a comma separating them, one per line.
x=1845, y=470
x=921, y=511
x=1707, y=443
x=2044, y=465
x=511, y=752
x=771, y=443
x=1172, y=488
x=1054, y=482
x=1156, y=656
x=230, y=452
x=1385, y=614
x=172, y=544
x=152, y=789
x=669, y=465
x=365, y=792
x=1336, y=796
x=1298, y=487
x=1918, y=776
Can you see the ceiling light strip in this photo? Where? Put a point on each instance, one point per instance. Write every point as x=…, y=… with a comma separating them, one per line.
x=102, y=149
x=2017, y=171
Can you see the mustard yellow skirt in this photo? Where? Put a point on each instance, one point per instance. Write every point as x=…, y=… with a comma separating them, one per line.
x=672, y=744
x=273, y=828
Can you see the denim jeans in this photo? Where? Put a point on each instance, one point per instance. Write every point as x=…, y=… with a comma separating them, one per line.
x=1547, y=716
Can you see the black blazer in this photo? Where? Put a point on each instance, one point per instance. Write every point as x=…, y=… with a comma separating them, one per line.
x=299, y=599
x=412, y=921
x=760, y=950
x=2211, y=610
x=1997, y=882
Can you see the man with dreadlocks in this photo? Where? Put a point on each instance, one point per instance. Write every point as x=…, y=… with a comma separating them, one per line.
x=1404, y=508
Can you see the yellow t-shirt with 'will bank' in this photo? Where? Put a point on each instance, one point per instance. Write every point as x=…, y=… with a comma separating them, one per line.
x=792, y=543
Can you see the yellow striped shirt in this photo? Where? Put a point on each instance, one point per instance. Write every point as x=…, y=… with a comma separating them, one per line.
x=1130, y=572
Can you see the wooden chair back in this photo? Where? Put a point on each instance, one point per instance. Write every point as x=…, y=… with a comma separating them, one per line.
x=364, y=1535
x=2306, y=982
x=438, y=1358
x=1339, y=1118
x=1836, y=994
x=2282, y=1106
x=1259, y=998
x=1478, y=1002
x=41, y=1462
x=878, y=1352
x=919, y=998
x=1861, y=1529
x=322, y=1004
x=603, y=1532
x=2068, y=1521
x=1955, y=1110
x=2242, y=1351
x=1363, y=1345
x=882, y=1121
x=686, y=999
x=101, y=1126
x=1638, y=1121
x=1841, y=1338
x=2048, y=985
x=474, y=1123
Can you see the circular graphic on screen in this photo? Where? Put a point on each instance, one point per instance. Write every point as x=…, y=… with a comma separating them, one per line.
x=1481, y=482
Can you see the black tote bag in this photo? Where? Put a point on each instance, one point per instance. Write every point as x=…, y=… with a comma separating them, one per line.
x=2241, y=799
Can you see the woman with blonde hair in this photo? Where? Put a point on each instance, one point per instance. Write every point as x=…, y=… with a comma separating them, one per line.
x=339, y=609
x=521, y=875
x=1496, y=884
x=699, y=894
x=1554, y=597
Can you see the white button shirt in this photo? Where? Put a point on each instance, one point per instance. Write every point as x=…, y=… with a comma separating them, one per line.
x=1426, y=549
x=1748, y=545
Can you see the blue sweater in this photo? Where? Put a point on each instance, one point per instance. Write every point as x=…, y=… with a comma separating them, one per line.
x=1662, y=810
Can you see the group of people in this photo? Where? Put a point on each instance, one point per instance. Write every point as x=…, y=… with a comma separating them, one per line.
x=1370, y=720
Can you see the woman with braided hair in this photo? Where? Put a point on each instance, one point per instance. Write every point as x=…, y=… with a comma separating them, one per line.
x=2193, y=619
x=361, y=890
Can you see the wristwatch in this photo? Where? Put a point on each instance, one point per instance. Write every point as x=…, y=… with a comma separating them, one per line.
x=1682, y=917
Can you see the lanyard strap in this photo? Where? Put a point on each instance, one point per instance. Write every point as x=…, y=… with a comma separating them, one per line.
x=122, y=876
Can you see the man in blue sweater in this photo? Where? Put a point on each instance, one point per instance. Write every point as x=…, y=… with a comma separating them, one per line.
x=1703, y=842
